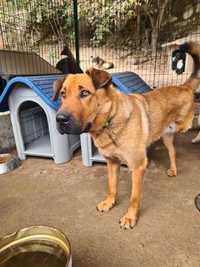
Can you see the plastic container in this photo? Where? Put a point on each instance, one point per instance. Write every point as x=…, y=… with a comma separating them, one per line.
x=34, y=247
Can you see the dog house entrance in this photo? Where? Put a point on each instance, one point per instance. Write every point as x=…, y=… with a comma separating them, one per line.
x=34, y=130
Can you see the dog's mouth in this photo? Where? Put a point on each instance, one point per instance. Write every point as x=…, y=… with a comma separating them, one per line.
x=72, y=127
x=68, y=128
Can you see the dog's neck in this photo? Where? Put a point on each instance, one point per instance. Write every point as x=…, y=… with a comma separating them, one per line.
x=111, y=119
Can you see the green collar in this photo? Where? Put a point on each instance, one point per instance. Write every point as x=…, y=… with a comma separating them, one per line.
x=107, y=122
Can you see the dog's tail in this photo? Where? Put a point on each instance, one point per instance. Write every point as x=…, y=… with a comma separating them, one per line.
x=192, y=49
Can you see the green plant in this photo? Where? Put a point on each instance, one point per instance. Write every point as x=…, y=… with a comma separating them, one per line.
x=105, y=17
x=37, y=20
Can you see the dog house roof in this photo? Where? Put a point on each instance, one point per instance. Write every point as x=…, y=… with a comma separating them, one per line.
x=41, y=85
x=130, y=83
x=20, y=63
x=126, y=82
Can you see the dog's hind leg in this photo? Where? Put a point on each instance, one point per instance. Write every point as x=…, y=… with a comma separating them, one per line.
x=113, y=172
x=168, y=140
x=186, y=124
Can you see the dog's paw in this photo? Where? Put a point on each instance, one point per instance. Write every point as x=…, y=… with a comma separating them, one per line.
x=127, y=222
x=196, y=140
x=106, y=204
x=172, y=172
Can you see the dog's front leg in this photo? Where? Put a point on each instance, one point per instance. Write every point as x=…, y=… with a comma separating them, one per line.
x=113, y=172
x=130, y=218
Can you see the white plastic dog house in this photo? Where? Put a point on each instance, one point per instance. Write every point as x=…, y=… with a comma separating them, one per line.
x=33, y=119
x=33, y=113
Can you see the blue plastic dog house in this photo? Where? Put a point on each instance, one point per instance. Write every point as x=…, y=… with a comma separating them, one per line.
x=27, y=95
x=33, y=117
x=126, y=82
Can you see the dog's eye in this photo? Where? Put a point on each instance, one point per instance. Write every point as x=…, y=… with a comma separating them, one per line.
x=84, y=93
x=62, y=93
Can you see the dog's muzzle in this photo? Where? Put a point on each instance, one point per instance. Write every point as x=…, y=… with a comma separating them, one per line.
x=67, y=124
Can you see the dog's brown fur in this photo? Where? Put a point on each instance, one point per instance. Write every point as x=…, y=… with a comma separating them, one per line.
x=123, y=126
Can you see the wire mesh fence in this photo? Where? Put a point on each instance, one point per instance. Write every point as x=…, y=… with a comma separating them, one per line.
x=117, y=35
x=135, y=35
x=43, y=27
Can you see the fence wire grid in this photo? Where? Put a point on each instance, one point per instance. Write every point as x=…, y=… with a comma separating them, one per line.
x=125, y=35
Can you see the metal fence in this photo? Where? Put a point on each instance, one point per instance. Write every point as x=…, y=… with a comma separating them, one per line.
x=138, y=38
x=43, y=27
x=131, y=35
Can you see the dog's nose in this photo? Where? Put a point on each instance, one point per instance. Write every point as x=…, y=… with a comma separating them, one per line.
x=62, y=117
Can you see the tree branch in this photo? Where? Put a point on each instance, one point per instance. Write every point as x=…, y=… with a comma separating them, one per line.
x=146, y=9
x=162, y=11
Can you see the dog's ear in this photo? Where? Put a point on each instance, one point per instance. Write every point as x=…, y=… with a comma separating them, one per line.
x=100, y=78
x=57, y=85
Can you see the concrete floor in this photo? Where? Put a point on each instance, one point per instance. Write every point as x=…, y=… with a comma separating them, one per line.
x=65, y=196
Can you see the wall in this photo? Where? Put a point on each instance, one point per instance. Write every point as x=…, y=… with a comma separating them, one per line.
x=182, y=20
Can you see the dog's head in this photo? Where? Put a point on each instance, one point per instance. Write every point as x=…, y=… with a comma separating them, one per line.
x=81, y=99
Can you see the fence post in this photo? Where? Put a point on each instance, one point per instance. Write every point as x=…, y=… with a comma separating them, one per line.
x=76, y=29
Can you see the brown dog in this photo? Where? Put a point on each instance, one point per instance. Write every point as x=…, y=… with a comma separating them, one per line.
x=123, y=126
